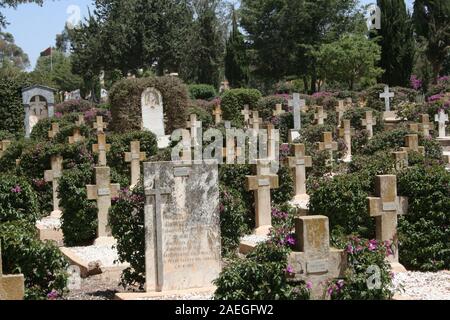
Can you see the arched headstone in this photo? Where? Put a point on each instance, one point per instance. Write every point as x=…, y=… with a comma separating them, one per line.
x=152, y=111
x=38, y=102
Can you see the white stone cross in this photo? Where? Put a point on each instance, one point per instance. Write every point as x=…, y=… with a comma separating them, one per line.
x=369, y=122
x=261, y=184
x=442, y=119
x=103, y=191
x=101, y=147
x=246, y=114
x=387, y=95
x=299, y=163
x=195, y=128
x=385, y=207
x=135, y=157
x=99, y=124
x=53, y=176
x=54, y=131
x=297, y=104
x=346, y=131
x=256, y=121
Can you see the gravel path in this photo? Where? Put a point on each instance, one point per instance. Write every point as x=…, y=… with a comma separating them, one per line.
x=107, y=255
x=423, y=286
x=49, y=223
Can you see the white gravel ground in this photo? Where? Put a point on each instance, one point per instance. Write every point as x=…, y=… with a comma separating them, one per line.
x=254, y=239
x=49, y=223
x=106, y=255
x=423, y=286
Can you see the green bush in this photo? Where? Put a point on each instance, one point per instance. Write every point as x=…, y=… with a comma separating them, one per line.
x=233, y=101
x=203, y=115
x=364, y=259
x=401, y=95
x=42, y=264
x=41, y=129
x=202, y=91
x=18, y=201
x=286, y=190
x=79, y=215
x=11, y=108
x=74, y=106
x=355, y=115
x=425, y=230
x=125, y=98
x=266, y=106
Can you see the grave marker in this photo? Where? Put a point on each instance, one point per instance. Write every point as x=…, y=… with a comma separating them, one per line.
x=346, y=131
x=425, y=125
x=80, y=122
x=369, y=122
x=53, y=176
x=101, y=147
x=99, y=124
x=320, y=115
x=246, y=114
x=328, y=144
x=412, y=144
x=12, y=287
x=441, y=119
x=217, y=113
x=135, y=157
x=387, y=95
x=278, y=110
x=77, y=137
x=299, y=163
x=54, y=130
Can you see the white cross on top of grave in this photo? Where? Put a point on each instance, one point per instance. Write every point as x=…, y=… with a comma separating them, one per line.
x=299, y=163
x=261, y=184
x=135, y=157
x=103, y=191
x=387, y=95
x=346, y=131
x=195, y=127
x=246, y=114
x=101, y=147
x=385, y=207
x=441, y=119
x=53, y=176
x=99, y=124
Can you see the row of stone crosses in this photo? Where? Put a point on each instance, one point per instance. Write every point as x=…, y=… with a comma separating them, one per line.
x=191, y=189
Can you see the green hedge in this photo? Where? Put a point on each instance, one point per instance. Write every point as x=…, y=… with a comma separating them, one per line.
x=11, y=109
x=233, y=101
x=202, y=91
x=266, y=106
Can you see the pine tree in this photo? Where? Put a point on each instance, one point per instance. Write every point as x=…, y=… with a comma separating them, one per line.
x=396, y=39
x=236, y=62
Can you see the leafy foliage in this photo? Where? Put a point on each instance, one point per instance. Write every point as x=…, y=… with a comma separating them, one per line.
x=202, y=92
x=233, y=102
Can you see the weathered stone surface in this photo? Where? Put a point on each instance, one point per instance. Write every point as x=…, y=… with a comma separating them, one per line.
x=299, y=163
x=38, y=102
x=152, y=111
x=135, y=157
x=182, y=230
x=12, y=287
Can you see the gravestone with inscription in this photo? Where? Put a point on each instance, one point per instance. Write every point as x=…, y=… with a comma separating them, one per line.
x=182, y=225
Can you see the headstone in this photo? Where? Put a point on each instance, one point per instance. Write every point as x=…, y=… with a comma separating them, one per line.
x=412, y=144
x=103, y=191
x=278, y=110
x=80, y=122
x=299, y=163
x=313, y=260
x=152, y=111
x=4, y=144
x=182, y=226
x=346, y=131
x=425, y=125
x=54, y=131
x=231, y=151
x=413, y=127
x=261, y=184
x=441, y=119
x=246, y=114
x=256, y=121
x=320, y=115
x=273, y=141
x=340, y=110
x=369, y=122
x=135, y=157
x=387, y=95
x=195, y=129
x=101, y=148
x=401, y=160
x=38, y=104
x=217, y=113
x=77, y=137
x=297, y=105
x=330, y=145
x=53, y=176
x=100, y=125
x=12, y=287
x=385, y=207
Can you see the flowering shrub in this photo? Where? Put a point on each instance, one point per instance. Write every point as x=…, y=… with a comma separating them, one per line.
x=233, y=102
x=401, y=95
x=204, y=114
x=73, y=106
x=368, y=276
x=416, y=83
x=266, y=105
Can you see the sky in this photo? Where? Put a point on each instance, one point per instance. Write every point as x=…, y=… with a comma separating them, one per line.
x=35, y=28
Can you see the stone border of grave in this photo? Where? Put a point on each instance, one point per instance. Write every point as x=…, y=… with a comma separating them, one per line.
x=130, y=296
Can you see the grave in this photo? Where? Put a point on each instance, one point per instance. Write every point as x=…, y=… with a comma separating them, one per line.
x=54, y=130
x=101, y=148
x=80, y=122
x=4, y=144
x=278, y=110
x=38, y=102
x=182, y=229
x=369, y=122
x=390, y=118
x=425, y=125
x=297, y=105
x=246, y=114
x=320, y=115
x=76, y=137
x=153, y=115
x=298, y=164
x=255, y=121
x=12, y=287
x=346, y=131
x=401, y=159
x=135, y=157
x=385, y=207
x=99, y=124
x=412, y=144
x=442, y=119
x=273, y=142
x=413, y=127
x=329, y=145
x=340, y=110
x=217, y=113
x=313, y=260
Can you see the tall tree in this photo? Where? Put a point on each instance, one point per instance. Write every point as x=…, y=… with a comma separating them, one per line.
x=236, y=61
x=11, y=54
x=432, y=23
x=396, y=38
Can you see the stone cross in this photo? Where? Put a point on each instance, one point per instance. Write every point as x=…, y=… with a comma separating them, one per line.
x=340, y=109
x=330, y=145
x=401, y=160
x=218, y=114
x=278, y=110
x=80, y=120
x=414, y=127
x=297, y=104
x=231, y=151
x=135, y=157
x=387, y=95
x=369, y=122
x=155, y=197
x=53, y=176
x=412, y=144
x=320, y=116
x=261, y=184
x=273, y=138
x=194, y=127
x=12, y=287
x=313, y=260
x=346, y=131
x=54, y=131
x=246, y=114
x=103, y=191
x=425, y=125
x=256, y=121
x=385, y=207
x=299, y=163
x=4, y=144
x=77, y=137
x=101, y=147
x=442, y=119
x=99, y=124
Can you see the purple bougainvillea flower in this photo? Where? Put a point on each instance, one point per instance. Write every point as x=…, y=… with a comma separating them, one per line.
x=309, y=285
x=373, y=245
x=290, y=240
x=289, y=270
x=16, y=189
x=53, y=295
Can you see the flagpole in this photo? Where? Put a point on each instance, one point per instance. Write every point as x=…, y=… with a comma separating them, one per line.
x=51, y=59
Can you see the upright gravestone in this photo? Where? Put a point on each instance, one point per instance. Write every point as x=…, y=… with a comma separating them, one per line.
x=101, y=148
x=38, y=103
x=246, y=114
x=54, y=131
x=412, y=144
x=135, y=157
x=278, y=110
x=76, y=137
x=346, y=131
x=425, y=125
x=153, y=112
x=99, y=124
x=299, y=163
x=369, y=122
x=329, y=145
x=4, y=144
x=320, y=115
x=53, y=176
x=401, y=159
x=387, y=96
x=340, y=110
x=12, y=287
x=182, y=226
x=297, y=105
x=441, y=119
x=217, y=113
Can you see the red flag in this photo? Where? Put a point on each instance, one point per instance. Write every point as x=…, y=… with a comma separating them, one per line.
x=47, y=52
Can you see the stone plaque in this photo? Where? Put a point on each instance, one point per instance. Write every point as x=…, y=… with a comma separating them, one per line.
x=328, y=146
x=389, y=206
x=263, y=182
x=104, y=192
x=182, y=228
x=317, y=266
x=301, y=162
x=152, y=111
x=181, y=172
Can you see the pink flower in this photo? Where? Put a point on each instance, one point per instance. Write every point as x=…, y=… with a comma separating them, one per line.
x=289, y=270
x=16, y=189
x=350, y=249
x=309, y=285
x=290, y=240
x=53, y=295
x=373, y=245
